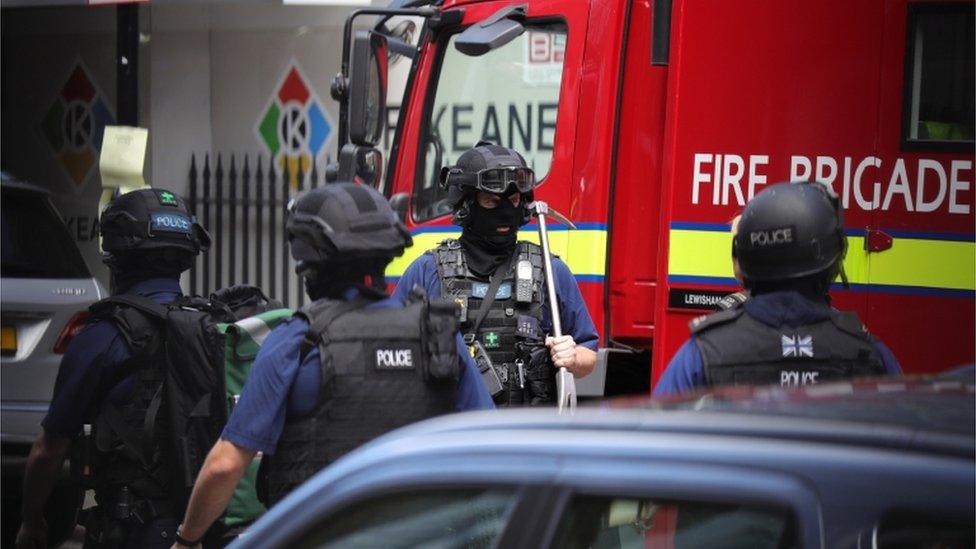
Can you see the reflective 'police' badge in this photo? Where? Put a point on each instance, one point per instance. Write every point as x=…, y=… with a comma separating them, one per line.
x=170, y=222
x=480, y=290
x=392, y=355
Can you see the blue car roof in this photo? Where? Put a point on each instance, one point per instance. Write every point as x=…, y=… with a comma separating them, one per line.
x=933, y=415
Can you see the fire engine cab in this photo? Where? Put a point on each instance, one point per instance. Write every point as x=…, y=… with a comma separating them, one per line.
x=650, y=123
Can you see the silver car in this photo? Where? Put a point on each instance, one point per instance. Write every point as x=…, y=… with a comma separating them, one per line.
x=45, y=289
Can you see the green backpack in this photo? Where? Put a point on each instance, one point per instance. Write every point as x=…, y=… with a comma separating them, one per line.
x=243, y=340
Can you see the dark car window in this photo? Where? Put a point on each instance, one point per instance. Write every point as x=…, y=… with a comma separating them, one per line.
x=34, y=242
x=609, y=522
x=443, y=518
x=916, y=529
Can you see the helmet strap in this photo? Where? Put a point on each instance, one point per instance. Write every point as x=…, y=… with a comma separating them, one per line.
x=462, y=215
x=843, y=275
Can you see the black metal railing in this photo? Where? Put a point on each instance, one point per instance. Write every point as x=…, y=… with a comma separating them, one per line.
x=244, y=209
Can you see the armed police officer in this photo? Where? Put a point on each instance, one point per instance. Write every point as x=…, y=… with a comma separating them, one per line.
x=348, y=367
x=148, y=239
x=790, y=246
x=499, y=283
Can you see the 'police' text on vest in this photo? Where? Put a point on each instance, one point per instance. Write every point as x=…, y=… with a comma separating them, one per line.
x=394, y=358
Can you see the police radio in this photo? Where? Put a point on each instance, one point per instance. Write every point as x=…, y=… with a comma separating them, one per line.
x=523, y=281
x=488, y=374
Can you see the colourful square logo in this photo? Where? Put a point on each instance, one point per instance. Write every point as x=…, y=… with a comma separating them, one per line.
x=75, y=123
x=294, y=127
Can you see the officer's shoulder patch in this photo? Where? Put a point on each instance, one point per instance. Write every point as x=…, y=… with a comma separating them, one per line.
x=731, y=301
x=705, y=322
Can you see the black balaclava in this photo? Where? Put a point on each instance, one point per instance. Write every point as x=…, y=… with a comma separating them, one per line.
x=129, y=268
x=331, y=280
x=487, y=248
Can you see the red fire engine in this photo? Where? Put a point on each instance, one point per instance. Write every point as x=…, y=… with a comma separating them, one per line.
x=652, y=122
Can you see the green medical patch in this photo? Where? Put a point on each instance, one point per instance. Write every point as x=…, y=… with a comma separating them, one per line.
x=167, y=198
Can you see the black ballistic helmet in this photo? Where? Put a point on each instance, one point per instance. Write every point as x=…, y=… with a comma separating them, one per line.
x=343, y=222
x=460, y=190
x=790, y=231
x=151, y=219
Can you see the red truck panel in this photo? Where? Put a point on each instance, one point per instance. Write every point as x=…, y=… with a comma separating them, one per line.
x=816, y=82
x=658, y=158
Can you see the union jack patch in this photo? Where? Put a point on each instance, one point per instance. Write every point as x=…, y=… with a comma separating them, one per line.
x=797, y=345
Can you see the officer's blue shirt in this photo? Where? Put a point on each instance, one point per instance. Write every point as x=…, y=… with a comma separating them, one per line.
x=686, y=371
x=278, y=387
x=91, y=367
x=575, y=318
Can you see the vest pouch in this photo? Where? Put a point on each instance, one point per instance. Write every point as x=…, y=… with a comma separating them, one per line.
x=535, y=356
x=440, y=339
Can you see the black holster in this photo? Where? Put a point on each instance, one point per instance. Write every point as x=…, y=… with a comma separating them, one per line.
x=540, y=384
x=113, y=522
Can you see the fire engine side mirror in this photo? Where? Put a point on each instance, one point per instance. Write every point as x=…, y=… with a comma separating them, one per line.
x=367, y=88
x=358, y=164
x=399, y=203
x=492, y=33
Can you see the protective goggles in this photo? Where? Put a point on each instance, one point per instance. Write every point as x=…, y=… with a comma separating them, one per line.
x=501, y=181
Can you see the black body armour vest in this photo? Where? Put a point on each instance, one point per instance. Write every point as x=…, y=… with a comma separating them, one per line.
x=381, y=369
x=513, y=329
x=128, y=451
x=737, y=349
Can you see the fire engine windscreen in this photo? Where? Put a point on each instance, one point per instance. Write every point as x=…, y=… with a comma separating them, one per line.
x=508, y=96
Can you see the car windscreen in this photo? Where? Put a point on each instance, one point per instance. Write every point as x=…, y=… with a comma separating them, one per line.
x=34, y=242
x=508, y=96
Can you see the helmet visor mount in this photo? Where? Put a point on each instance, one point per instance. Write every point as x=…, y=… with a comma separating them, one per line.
x=499, y=181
